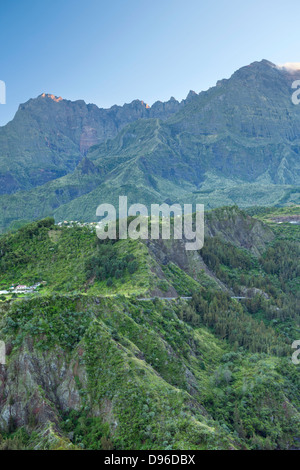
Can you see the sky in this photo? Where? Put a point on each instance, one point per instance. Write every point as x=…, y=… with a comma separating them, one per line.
x=112, y=52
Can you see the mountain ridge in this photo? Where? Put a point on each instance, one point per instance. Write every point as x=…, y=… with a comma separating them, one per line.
x=58, y=133
x=236, y=143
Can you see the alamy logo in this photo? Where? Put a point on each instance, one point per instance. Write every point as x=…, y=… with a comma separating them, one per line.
x=2, y=92
x=296, y=94
x=2, y=352
x=184, y=223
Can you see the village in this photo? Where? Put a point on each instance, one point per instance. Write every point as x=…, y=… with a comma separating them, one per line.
x=22, y=289
x=75, y=223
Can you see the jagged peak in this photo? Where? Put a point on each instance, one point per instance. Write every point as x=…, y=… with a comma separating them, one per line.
x=57, y=99
x=147, y=106
x=191, y=95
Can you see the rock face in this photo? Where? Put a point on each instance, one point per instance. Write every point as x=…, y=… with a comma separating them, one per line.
x=36, y=387
x=48, y=136
x=238, y=228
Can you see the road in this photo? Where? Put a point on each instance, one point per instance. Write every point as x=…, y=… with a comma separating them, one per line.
x=182, y=298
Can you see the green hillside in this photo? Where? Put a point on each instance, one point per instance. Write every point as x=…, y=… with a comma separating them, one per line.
x=87, y=354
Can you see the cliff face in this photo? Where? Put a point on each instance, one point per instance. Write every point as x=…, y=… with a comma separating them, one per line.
x=238, y=228
x=48, y=136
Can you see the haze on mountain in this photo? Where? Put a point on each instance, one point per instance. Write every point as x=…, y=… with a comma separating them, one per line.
x=236, y=143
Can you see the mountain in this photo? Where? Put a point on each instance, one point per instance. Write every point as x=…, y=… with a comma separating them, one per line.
x=49, y=136
x=101, y=343
x=237, y=143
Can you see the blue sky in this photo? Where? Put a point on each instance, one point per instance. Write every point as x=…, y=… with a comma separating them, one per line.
x=111, y=52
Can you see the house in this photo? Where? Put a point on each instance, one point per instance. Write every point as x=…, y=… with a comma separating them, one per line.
x=22, y=289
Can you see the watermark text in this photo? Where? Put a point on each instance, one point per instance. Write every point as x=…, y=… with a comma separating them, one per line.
x=2, y=353
x=296, y=94
x=296, y=345
x=164, y=219
x=2, y=92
